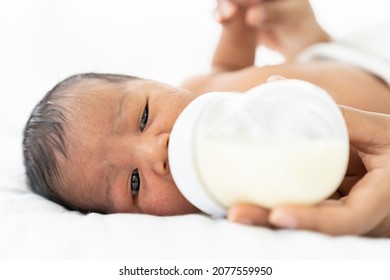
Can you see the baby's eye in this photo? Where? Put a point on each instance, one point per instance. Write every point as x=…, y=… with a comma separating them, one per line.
x=144, y=118
x=135, y=182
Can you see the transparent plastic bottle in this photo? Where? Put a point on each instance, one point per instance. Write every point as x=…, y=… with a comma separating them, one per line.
x=281, y=143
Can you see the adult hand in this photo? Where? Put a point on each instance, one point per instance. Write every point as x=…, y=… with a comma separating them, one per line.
x=365, y=210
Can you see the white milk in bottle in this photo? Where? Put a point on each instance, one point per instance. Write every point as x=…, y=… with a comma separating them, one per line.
x=281, y=143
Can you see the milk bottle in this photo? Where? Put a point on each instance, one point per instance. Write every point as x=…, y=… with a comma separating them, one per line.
x=281, y=143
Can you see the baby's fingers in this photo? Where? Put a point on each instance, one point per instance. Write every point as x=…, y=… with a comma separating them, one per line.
x=225, y=10
x=270, y=12
x=273, y=12
x=256, y=15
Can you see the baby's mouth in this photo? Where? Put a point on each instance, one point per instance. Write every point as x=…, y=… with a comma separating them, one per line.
x=167, y=168
x=166, y=164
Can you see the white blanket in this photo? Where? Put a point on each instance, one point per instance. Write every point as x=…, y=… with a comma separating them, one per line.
x=49, y=41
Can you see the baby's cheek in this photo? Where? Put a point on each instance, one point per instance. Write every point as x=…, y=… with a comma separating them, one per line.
x=169, y=201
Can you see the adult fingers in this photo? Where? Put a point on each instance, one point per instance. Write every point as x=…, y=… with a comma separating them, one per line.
x=249, y=214
x=366, y=128
x=365, y=207
x=382, y=230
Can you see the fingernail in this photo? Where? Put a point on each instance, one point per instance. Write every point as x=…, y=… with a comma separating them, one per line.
x=232, y=216
x=282, y=218
x=243, y=221
x=275, y=78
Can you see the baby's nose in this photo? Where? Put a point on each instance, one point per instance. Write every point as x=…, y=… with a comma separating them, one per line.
x=159, y=154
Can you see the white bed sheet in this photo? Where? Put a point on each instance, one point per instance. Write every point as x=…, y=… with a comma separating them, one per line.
x=38, y=50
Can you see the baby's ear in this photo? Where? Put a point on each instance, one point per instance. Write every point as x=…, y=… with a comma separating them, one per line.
x=274, y=78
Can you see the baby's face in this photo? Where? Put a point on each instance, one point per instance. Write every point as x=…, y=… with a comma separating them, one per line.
x=119, y=149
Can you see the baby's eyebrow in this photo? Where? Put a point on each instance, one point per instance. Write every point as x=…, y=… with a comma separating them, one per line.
x=118, y=114
x=126, y=99
x=107, y=187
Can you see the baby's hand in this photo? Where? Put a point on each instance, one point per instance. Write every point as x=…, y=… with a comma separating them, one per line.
x=287, y=26
x=226, y=10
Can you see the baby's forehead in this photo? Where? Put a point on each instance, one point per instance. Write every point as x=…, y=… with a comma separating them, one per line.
x=95, y=87
x=95, y=107
x=89, y=97
x=88, y=128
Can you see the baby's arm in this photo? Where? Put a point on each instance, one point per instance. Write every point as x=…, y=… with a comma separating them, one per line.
x=287, y=26
x=235, y=50
x=237, y=45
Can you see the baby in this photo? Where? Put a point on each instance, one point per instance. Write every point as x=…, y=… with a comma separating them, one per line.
x=98, y=142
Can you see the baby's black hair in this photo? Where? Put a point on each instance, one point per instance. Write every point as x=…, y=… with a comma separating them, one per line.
x=44, y=136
